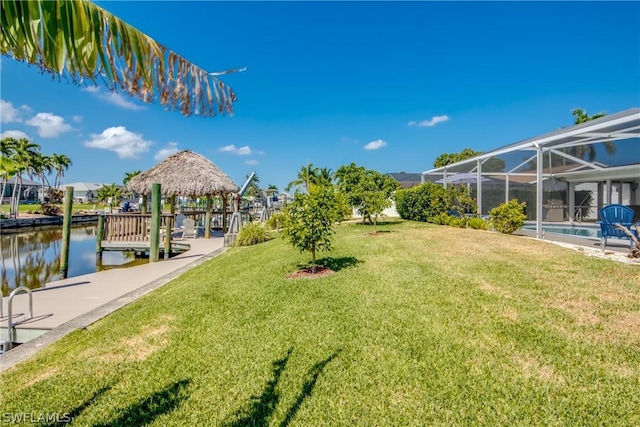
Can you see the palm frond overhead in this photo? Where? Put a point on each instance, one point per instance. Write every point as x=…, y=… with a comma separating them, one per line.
x=78, y=39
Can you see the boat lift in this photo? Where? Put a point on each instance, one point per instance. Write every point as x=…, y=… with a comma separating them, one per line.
x=235, y=224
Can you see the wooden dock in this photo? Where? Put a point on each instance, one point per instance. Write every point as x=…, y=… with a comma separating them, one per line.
x=142, y=246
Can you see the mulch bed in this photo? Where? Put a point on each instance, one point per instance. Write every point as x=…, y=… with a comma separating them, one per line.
x=305, y=273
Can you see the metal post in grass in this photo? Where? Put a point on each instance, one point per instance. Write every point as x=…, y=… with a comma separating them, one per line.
x=154, y=236
x=207, y=219
x=99, y=238
x=66, y=232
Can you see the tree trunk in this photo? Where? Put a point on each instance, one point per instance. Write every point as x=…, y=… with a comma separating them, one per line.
x=635, y=251
x=4, y=186
x=15, y=198
x=313, y=259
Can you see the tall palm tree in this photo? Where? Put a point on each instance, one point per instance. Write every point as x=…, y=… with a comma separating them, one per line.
x=8, y=166
x=324, y=177
x=78, y=39
x=581, y=116
x=61, y=163
x=43, y=166
x=588, y=151
x=306, y=176
x=128, y=176
x=26, y=153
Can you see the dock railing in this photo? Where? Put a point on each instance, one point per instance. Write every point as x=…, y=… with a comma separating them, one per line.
x=131, y=227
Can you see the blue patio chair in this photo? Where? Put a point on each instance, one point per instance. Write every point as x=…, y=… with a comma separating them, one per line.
x=616, y=214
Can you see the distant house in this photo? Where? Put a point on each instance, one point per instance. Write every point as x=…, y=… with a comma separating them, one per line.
x=30, y=191
x=84, y=192
x=406, y=180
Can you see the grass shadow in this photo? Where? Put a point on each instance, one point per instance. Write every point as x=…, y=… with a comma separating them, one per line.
x=148, y=409
x=261, y=407
x=307, y=388
x=335, y=264
x=386, y=223
x=70, y=415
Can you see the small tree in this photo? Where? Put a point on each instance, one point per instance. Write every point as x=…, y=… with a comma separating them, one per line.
x=310, y=218
x=367, y=191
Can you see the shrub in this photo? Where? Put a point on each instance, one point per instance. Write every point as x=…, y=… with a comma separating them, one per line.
x=276, y=221
x=478, y=224
x=455, y=221
x=51, y=209
x=426, y=202
x=422, y=202
x=508, y=217
x=252, y=234
x=440, y=219
x=55, y=196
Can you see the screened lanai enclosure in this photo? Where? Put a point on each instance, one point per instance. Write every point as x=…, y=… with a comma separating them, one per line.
x=564, y=175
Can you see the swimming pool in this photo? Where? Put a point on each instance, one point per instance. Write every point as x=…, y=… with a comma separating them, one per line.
x=589, y=231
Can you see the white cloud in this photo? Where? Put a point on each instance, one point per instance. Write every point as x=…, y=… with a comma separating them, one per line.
x=251, y=162
x=8, y=113
x=374, y=145
x=431, y=122
x=77, y=119
x=49, y=125
x=242, y=151
x=171, y=148
x=17, y=134
x=114, y=98
x=125, y=143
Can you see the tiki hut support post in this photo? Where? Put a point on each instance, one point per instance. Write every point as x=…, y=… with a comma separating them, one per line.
x=207, y=219
x=224, y=212
x=154, y=238
x=143, y=208
x=168, y=226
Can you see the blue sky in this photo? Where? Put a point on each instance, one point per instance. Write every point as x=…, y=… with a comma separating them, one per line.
x=387, y=85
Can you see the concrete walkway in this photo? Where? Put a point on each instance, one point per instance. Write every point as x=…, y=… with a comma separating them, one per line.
x=65, y=305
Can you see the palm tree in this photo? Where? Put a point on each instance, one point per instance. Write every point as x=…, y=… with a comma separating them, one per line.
x=43, y=166
x=61, y=163
x=26, y=153
x=128, y=176
x=89, y=43
x=306, y=176
x=110, y=193
x=588, y=151
x=324, y=177
x=8, y=166
x=581, y=116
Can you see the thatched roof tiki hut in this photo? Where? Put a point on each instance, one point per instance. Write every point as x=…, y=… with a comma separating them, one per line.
x=187, y=174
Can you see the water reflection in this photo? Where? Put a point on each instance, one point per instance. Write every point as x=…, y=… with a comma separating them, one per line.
x=32, y=258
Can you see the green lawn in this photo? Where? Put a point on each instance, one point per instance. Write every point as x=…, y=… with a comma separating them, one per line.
x=32, y=208
x=420, y=325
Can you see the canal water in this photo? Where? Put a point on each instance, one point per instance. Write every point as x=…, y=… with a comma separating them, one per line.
x=32, y=258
